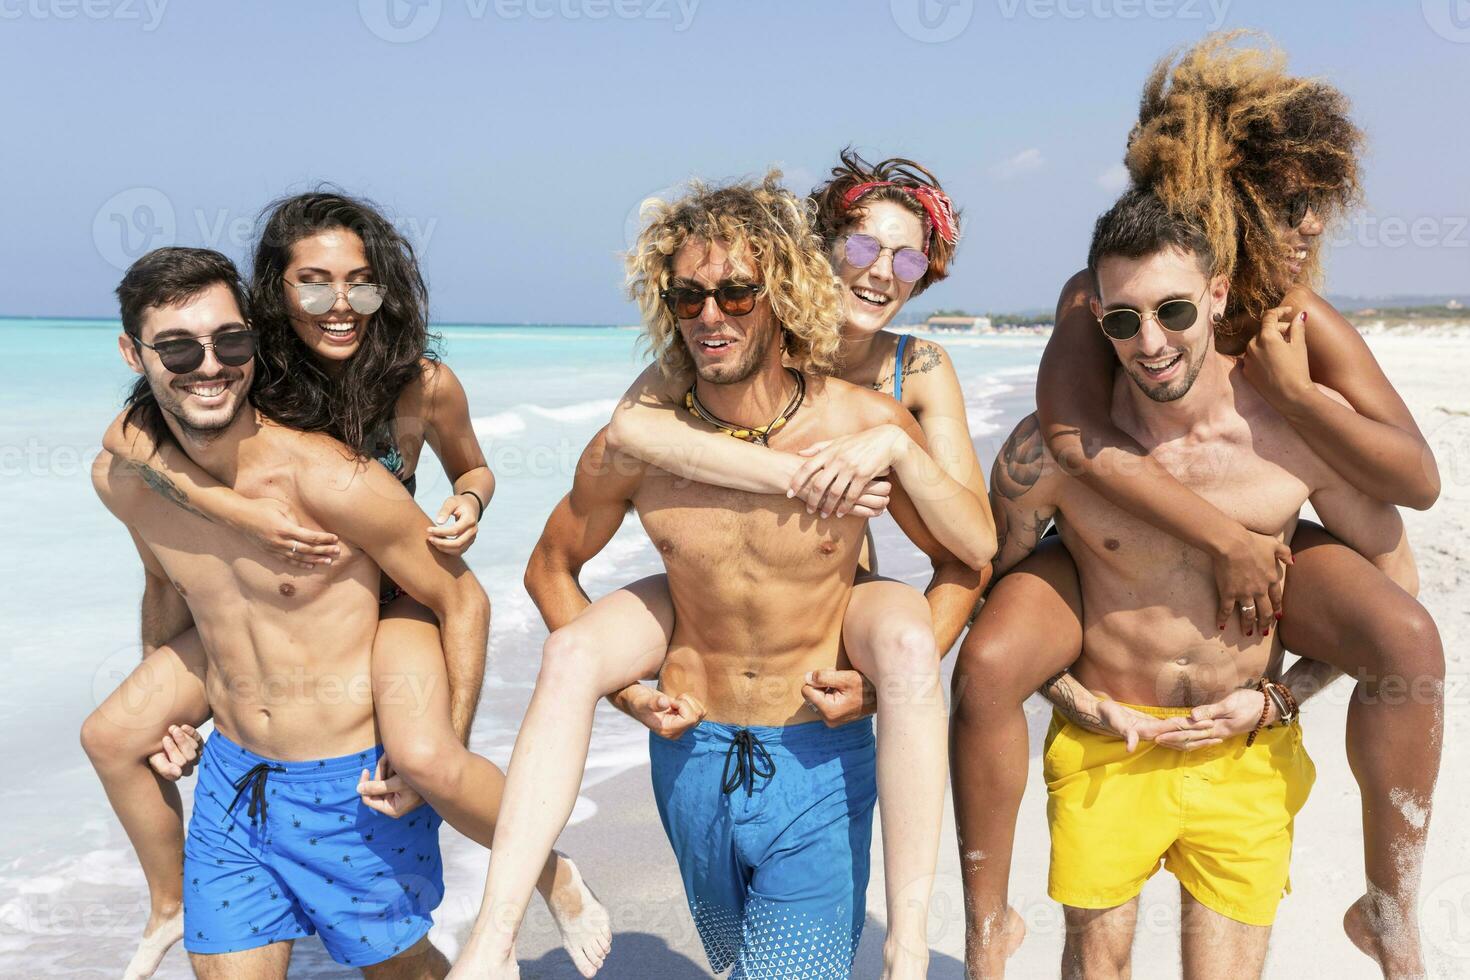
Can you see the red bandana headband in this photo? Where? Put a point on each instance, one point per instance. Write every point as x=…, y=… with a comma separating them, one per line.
x=935, y=203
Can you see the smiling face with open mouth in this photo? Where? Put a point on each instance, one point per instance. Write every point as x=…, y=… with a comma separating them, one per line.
x=1162, y=362
x=726, y=349
x=206, y=399
x=1298, y=240
x=872, y=296
x=337, y=257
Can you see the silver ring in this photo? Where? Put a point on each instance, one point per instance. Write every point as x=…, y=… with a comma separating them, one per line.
x=293, y=547
x=1249, y=608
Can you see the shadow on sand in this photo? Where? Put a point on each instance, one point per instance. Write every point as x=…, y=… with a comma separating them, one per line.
x=641, y=956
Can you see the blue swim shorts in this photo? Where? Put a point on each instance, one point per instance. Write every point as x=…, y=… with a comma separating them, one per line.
x=280, y=850
x=772, y=829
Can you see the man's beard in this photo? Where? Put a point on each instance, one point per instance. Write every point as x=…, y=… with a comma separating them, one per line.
x=1174, y=390
x=731, y=374
x=210, y=426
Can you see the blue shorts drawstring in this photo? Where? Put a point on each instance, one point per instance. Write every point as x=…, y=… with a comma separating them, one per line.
x=254, y=781
x=751, y=760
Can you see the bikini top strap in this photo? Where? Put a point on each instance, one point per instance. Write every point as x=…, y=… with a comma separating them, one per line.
x=903, y=341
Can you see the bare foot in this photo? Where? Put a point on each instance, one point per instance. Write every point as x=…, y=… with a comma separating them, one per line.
x=1378, y=926
x=903, y=961
x=476, y=962
x=986, y=954
x=161, y=932
x=586, y=930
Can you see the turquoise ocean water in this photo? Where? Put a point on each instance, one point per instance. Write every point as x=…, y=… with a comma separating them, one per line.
x=69, y=886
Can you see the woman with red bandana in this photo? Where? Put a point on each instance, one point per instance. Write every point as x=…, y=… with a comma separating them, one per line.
x=891, y=232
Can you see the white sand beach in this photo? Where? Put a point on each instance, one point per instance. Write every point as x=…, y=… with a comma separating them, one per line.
x=628, y=861
x=77, y=900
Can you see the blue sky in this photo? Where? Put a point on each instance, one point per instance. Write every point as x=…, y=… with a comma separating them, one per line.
x=514, y=139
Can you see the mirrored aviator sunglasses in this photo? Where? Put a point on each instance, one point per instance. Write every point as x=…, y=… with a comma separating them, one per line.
x=1176, y=316
x=861, y=251
x=317, y=298
x=181, y=356
x=733, y=299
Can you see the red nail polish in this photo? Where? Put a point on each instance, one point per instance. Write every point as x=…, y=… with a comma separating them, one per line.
x=1278, y=616
x=1249, y=632
x=1266, y=631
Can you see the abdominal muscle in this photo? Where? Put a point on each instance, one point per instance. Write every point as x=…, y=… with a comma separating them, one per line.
x=294, y=695
x=1156, y=657
x=748, y=667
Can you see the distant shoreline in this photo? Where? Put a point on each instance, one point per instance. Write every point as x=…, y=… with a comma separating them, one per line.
x=1456, y=324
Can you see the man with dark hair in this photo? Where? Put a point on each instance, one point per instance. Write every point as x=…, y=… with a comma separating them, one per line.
x=280, y=845
x=1218, y=814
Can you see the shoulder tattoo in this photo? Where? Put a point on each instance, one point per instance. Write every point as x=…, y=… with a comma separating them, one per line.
x=921, y=357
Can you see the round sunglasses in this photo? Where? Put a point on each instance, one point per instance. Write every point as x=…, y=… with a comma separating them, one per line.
x=233, y=349
x=861, y=251
x=1176, y=316
x=317, y=298
x=733, y=299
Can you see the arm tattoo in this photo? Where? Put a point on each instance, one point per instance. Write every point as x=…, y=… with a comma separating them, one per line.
x=160, y=484
x=1058, y=690
x=1021, y=459
x=921, y=358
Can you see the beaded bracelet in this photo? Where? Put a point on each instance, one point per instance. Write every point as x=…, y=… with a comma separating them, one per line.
x=1265, y=709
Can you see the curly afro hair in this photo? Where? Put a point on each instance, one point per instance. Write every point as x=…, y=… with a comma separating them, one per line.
x=1227, y=138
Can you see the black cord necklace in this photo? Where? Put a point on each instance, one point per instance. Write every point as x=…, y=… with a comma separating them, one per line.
x=760, y=435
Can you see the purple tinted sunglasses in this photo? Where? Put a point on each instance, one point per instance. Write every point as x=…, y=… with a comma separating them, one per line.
x=861, y=251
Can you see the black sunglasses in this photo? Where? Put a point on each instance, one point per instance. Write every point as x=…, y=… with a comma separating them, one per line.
x=232, y=348
x=1296, y=211
x=733, y=299
x=1176, y=316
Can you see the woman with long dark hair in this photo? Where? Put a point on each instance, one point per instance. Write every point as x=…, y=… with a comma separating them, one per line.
x=341, y=312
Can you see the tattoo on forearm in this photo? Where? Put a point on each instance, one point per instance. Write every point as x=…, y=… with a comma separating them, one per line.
x=165, y=488
x=1058, y=690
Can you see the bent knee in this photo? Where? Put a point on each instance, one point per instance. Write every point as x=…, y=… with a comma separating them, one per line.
x=990, y=670
x=108, y=744
x=1407, y=643
x=905, y=650
x=570, y=660
x=96, y=738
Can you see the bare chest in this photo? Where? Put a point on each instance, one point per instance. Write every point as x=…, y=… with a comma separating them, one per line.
x=1260, y=491
x=217, y=569
x=704, y=529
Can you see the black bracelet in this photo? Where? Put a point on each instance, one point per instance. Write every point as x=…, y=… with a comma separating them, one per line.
x=478, y=501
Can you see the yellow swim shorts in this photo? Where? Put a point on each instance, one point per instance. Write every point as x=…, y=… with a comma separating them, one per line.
x=1219, y=818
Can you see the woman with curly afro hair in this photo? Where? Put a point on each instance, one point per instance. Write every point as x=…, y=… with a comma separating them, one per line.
x=1264, y=161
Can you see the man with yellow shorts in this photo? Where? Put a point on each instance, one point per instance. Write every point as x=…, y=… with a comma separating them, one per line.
x=1192, y=757
x=1219, y=818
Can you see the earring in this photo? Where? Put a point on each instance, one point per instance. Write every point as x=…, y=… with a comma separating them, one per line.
x=1217, y=317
